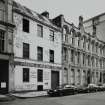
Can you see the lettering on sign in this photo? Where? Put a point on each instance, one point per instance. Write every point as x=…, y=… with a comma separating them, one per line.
x=33, y=74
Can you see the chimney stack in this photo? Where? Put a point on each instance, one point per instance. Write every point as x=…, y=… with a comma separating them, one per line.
x=46, y=14
x=80, y=26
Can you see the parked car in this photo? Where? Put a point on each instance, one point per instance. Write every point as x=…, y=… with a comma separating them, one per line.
x=83, y=89
x=92, y=88
x=62, y=90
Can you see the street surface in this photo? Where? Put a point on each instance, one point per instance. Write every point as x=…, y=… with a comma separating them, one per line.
x=79, y=99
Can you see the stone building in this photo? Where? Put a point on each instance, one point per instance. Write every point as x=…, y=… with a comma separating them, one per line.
x=37, y=50
x=82, y=54
x=6, y=46
x=96, y=27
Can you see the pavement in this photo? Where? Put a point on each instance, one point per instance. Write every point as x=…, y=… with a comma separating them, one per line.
x=78, y=99
x=6, y=97
x=12, y=96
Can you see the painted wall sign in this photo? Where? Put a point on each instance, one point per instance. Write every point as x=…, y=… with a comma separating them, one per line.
x=33, y=74
x=37, y=65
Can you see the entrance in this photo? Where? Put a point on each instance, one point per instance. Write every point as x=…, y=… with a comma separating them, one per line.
x=4, y=76
x=54, y=79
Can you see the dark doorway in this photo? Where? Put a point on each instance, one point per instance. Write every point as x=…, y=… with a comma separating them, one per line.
x=54, y=79
x=4, y=76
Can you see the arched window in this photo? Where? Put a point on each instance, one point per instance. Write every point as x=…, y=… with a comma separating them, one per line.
x=65, y=33
x=2, y=9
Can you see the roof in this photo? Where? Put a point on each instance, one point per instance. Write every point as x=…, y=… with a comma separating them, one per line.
x=33, y=15
x=94, y=17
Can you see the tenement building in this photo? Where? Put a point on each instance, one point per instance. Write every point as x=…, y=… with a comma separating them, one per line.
x=37, y=50
x=30, y=49
x=83, y=54
x=96, y=27
x=6, y=46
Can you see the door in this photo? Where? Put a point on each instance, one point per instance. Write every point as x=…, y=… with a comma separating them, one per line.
x=3, y=76
x=54, y=79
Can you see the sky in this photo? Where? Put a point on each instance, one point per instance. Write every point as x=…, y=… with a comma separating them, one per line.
x=71, y=9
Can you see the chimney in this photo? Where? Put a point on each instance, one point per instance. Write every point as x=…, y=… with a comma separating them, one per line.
x=46, y=14
x=80, y=26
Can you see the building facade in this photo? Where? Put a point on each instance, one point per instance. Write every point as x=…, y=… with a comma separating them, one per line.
x=6, y=46
x=82, y=54
x=96, y=27
x=37, y=51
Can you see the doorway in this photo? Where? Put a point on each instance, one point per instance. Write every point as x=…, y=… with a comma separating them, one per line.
x=4, y=74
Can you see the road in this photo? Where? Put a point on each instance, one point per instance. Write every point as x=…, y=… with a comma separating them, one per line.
x=79, y=99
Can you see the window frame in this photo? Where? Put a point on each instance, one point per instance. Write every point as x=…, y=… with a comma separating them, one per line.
x=26, y=52
x=51, y=53
x=40, y=53
x=39, y=30
x=52, y=34
x=39, y=75
x=27, y=71
x=26, y=25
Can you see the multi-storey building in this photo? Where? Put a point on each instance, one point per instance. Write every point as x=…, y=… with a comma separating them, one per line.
x=83, y=54
x=6, y=46
x=37, y=50
x=96, y=27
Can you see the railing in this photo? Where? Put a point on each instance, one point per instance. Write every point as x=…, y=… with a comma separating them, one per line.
x=2, y=15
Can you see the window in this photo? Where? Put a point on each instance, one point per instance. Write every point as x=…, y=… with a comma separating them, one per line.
x=51, y=35
x=2, y=41
x=40, y=75
x=25, y=50
x=72, y=40
x=88, y=60
x=78, y=57
x=78, y=42
x=26, y=25
x=25, y=74
x=51, y=56
x=2, y=10
x=65, y=54
x=83, y=59
x=72, y=56
x=39, y=30
x=40, y=53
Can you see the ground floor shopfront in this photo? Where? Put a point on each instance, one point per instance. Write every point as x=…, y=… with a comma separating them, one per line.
x=35, y=76
x=82, y=76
